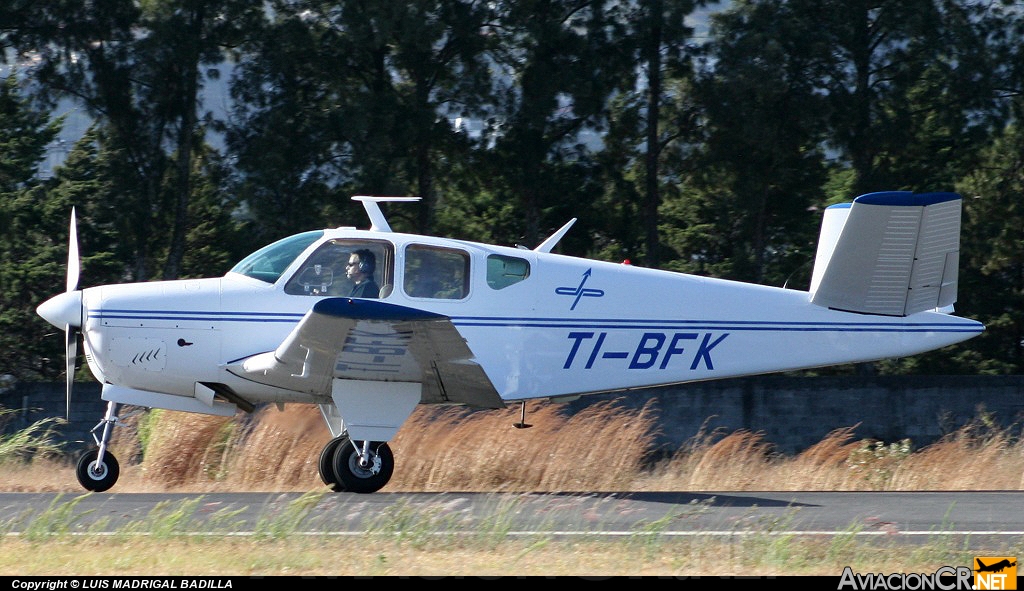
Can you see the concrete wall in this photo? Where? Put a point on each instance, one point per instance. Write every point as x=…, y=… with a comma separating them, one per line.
x=37, y=401
x=792, y=413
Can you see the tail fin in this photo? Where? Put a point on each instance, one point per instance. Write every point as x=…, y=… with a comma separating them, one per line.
x=893, y=254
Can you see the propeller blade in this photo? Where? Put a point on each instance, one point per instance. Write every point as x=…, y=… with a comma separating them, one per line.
x=73, y=263
x=71, y=342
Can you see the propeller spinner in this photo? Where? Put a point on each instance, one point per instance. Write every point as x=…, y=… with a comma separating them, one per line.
x=65, y=310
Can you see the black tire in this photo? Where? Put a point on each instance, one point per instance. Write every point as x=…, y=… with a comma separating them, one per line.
x=358, y=479
x=97, y=478
x=326, y=464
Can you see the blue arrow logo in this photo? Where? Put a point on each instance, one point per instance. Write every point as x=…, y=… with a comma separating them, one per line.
x=579, y=291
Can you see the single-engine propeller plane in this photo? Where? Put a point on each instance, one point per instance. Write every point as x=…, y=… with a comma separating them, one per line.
x=369, y=323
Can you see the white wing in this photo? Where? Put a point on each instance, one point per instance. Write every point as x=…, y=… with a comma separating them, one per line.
x=371, y=340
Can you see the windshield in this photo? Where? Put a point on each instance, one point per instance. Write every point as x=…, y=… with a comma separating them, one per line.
x=267, y=263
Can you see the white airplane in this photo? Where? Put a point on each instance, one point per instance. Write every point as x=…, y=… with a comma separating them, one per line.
x=367, y=324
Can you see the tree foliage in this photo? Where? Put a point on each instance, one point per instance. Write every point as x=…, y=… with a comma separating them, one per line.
x=712, y=152
x=30, y=261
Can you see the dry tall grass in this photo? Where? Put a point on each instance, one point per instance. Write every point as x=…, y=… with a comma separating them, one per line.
x=438, y=449
x=606, y=447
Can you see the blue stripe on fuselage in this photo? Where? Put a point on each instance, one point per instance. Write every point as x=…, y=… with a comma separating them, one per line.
x=582, y=323
x=104, y=314
x=733, y=325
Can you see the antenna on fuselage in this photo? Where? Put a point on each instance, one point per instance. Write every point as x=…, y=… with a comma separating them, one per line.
x=522, y=420
x=552, y=240
x=378, y=223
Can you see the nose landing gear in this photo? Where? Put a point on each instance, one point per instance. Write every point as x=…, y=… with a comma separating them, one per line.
x=98, y=469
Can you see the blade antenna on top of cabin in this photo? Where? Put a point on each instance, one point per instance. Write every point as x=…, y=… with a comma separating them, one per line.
x=522, y=417
x=378, y=223
x=552, y=240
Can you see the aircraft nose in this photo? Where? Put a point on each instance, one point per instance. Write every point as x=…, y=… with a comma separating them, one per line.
x=63, y=309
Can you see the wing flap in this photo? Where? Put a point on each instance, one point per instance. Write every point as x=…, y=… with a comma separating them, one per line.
x=370, y=340
x=896, y=254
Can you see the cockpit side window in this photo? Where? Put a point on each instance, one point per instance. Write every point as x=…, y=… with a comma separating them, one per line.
x=437, y=273
x=268, y=263
x=346, y=268
x=503, y=271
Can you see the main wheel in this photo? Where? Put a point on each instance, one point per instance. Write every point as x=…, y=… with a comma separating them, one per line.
x=97, y=477
x=326, y=464
x=363, y=479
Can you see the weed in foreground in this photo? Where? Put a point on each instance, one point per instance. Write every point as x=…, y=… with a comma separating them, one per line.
x=169, y=520
x=57, y=520
x=416, y=526
x=280, y=521
x=407, y=542
x=36, y=440
x=496, y=525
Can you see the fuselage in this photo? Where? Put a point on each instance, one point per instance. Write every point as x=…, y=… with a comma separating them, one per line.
x=561, y=326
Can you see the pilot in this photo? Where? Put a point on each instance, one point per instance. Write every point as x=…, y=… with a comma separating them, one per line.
x=359, y=270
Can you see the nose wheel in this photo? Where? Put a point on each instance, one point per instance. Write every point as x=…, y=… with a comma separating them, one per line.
x=98, y=469
x=359, y=467
x=97, y=476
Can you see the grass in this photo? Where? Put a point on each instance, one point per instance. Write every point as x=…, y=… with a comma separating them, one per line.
x=174, y=540
x=377, y=557
x=604, y=448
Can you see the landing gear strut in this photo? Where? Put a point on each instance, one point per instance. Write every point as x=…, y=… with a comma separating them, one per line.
x=359, y=467
x=98, y=469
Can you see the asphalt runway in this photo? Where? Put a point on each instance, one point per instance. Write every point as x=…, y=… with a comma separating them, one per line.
x=988, y=519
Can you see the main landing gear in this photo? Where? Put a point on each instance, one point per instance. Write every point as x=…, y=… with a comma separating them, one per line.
x=359, y=467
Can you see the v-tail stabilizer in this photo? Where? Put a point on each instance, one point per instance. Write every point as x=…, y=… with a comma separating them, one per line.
x=892, y=254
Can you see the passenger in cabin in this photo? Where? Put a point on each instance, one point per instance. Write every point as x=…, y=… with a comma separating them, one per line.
x=427, y=285
x=361, y=264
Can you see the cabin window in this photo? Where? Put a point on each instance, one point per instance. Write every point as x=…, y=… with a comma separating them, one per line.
x=436, y=273
x=503, y=271
x=328, y=272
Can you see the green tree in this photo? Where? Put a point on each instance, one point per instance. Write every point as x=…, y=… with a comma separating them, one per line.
x=363, y=95
x=652, y=132
x=439, y=51
x=137, y=69
x=88, y=179
x=185, y=44
x=287, y=161
x=32, y=258
x=561, y=62
x=900, y=93
x=105, y=79
x=213, y=243
x=908, y=85
x=662, y=31
x=992, y=260
x=747, y=210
